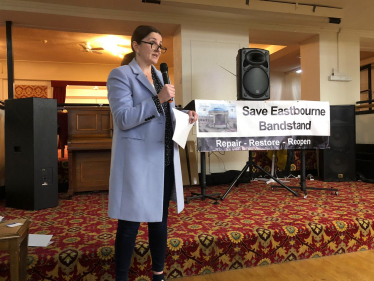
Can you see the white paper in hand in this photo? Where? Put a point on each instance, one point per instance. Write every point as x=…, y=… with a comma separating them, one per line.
x=182, y=128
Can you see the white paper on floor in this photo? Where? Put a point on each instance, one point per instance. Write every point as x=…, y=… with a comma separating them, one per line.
x=39, y=240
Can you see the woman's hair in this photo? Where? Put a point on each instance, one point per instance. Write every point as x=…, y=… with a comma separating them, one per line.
x=128, y=58
x=138, y=35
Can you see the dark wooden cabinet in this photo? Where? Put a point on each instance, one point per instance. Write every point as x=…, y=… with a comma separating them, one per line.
x=89, y=148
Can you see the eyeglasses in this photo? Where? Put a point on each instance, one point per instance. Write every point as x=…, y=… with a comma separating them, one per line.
x=155, y=47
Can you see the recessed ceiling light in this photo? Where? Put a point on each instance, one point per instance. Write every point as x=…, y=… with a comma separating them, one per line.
x=299, y=71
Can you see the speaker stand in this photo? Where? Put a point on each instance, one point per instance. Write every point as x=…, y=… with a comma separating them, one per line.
x=302, y=186
x=203, y=195
x=250, y=163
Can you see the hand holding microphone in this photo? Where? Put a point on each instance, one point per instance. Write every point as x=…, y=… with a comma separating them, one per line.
x=167, y=93
x=170, y=91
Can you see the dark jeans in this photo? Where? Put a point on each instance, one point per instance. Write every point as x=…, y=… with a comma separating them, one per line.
x=157, y=235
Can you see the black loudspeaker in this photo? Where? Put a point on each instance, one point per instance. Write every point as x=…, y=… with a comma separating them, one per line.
x=253, y=74
x=31, y=153
x=339, y=162
x=365, y=161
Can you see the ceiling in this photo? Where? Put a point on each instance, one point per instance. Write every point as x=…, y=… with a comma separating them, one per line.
x=61, y=46
x=355, y=14
x=64, y=47
x=56, y=37
x=366, y=55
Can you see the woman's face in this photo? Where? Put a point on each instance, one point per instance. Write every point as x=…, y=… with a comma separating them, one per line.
x=144, y=50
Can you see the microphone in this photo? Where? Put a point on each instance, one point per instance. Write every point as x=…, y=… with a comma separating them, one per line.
x=165, y=75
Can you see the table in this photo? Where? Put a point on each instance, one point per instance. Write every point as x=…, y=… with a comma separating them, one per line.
x=15, y=240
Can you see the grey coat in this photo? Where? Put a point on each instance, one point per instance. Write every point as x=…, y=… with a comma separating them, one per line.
x=136, y=184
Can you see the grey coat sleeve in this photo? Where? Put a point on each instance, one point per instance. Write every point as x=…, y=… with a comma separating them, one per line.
x=120, y=96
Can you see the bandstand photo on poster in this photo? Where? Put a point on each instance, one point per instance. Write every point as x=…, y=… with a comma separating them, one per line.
x=220, y=117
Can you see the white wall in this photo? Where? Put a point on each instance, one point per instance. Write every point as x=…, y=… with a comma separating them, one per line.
x=277, y=83
x=319, y=55
x=285, y=86
x=346, y=55
x=292, y=86
x=177, y=56
x=310, y=64
x=205, y=50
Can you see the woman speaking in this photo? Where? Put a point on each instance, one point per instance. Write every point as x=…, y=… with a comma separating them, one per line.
x=145, y=166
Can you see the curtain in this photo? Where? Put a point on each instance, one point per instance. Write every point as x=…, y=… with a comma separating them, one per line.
x=59, y=93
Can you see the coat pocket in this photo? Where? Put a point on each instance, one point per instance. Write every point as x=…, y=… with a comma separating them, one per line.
x=132, y=135
x=132, y=138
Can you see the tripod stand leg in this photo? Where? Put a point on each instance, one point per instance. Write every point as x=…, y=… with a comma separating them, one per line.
x=237, y=178
x=275, y=179
x=203, y=195
x=302, y=186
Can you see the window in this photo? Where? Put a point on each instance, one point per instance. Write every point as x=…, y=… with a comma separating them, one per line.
x=366, y=90
x=86, y=94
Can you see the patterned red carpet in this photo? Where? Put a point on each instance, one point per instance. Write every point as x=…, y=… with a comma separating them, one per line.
x=252, y=226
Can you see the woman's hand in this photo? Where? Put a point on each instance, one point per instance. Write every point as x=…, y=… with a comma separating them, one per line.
x=167, y=92
x=193, y=116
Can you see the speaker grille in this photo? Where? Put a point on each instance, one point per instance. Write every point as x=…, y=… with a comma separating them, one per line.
x=339, y=162
x=255, y=58
x=256, y=81
x=339, y=137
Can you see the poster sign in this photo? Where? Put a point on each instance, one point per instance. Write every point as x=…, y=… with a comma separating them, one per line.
x=262, y=125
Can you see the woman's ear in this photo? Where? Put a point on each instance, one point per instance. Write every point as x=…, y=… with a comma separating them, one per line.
x=135, y=46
